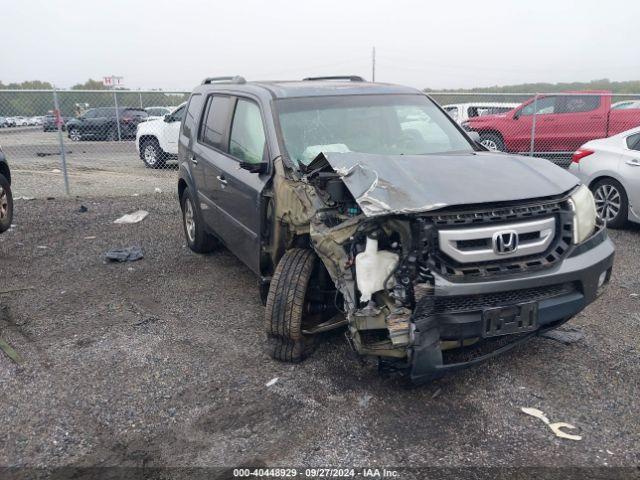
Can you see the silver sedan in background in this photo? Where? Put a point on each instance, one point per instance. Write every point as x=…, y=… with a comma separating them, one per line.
x=611, y=168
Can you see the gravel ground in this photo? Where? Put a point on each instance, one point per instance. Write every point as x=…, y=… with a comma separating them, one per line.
x=161, y=363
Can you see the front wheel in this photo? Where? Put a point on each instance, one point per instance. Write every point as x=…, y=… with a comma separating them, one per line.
x=492, y=141
x=612, y=203
x=6, y=204
x=152, y=154
x=298, y=298
x=74, y=134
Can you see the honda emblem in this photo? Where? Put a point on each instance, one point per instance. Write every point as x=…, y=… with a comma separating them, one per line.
x=505, y=242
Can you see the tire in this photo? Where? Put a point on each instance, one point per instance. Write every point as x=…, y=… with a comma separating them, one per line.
x=152, y=154
x=74, y=134
x=197, y=238
x=286, y=305
x=612, y=203
x=492, y=141
x=6, y=204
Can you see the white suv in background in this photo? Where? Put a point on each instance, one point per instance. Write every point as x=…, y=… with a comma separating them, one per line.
x=464, y=111
x=157, y=140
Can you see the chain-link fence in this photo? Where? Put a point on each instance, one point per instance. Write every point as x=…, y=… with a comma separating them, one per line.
x=86, y=145
x=550, y=125
x=84, y=142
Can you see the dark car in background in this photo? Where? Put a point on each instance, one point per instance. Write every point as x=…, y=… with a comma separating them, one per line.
x=6, y=199
x=106, y=123
x=49, y=123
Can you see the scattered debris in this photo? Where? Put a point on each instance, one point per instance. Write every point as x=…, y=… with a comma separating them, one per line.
x=90, y=237
x=364, y=400
x=566, y=336
x=436, y=393
x=634, y=295
x=26, y=199
x=11, y=353
x=51, y=154
x=56, y=170
x=129, y=254
x=555, y=427
x=83, y=209
x=158, y=190
x=12, y=290
x=146, y=321
x=134, y=217
x=42, y=247
x=271, y=382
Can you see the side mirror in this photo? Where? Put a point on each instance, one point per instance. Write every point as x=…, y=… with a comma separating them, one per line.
x=516, y=115
x=261, y=167
x=168, y=118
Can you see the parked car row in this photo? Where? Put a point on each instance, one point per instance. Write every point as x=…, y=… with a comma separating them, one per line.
x=106, y=123
x=20, y=121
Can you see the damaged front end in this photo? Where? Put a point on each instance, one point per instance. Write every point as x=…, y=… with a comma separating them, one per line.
x=377, y=229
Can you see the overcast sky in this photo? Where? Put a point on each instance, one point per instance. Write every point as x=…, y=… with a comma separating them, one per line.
x=438, y=44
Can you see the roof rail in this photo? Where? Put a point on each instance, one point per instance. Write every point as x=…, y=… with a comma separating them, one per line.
x=234, y=79
x=351, y=78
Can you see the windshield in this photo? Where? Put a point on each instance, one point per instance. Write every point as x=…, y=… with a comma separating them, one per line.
x=378, y=124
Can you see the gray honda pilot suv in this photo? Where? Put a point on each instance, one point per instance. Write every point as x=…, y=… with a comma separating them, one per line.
x=364, y=205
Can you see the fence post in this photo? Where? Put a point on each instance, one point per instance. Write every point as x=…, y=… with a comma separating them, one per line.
x=140, y=93
x=533, y=126
x=63, y=154
x=115, y=101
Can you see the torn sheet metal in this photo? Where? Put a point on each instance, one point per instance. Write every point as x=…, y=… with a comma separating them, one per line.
x=400, y=184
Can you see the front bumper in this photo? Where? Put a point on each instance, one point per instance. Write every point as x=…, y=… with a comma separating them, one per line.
x=559, y=293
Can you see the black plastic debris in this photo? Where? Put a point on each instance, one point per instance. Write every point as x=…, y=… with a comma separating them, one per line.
x=129, y=254
x=83, y=209
x=565, y=336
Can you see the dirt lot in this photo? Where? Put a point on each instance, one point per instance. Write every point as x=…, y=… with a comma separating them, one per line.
x=161, y=362
x=96, y=168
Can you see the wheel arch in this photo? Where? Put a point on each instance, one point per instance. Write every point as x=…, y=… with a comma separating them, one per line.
x=4, y=170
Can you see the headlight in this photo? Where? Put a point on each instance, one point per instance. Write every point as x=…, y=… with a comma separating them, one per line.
x=584, y=209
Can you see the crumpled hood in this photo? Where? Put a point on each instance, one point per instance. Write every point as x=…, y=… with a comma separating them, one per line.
x=397, y=184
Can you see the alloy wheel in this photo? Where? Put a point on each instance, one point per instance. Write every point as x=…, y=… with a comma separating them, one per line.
x=74, y=135
x=4, y=204
x=490, y=144
x=189, y=220
x=150, y=154
x=608, y=202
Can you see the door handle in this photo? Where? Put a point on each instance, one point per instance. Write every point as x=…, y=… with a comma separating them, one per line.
x=193, y=159
x=222, y=180
x=634, y=162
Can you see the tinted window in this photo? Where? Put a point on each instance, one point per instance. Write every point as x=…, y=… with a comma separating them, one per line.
x=247, y=133
x=577, y=103
x=452, y=111
x=633, y=141
x=193, y=111
x=215, y=122
x=93, y=113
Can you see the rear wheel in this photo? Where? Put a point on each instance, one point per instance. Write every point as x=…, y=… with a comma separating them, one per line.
x=152, y=155
x=197, y=237
x=492, y=141
x=612, y=203
x=6, y=204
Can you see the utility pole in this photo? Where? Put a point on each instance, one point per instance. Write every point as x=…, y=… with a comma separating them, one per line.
x=373, y=65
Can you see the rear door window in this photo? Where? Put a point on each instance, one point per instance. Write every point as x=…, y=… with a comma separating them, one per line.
x=193, y=112
x=577, y=103
x=247, y=139
x=213, y=128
